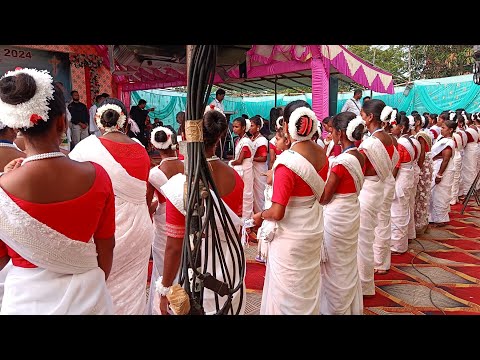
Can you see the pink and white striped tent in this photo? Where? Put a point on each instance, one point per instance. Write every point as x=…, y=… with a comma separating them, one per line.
x=268, y=67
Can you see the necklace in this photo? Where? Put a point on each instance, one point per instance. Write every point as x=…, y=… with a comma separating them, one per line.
x=213, y=158
x=296, y=142
x=49, y=155
x=112, y=130
x=379, y=129
x=7, y=144
x=167, y=159
x=256, y=136
x=351, y=147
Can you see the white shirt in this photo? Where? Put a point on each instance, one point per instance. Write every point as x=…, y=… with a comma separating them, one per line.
x=93, y=128
x=352, y=105
x=217, y=104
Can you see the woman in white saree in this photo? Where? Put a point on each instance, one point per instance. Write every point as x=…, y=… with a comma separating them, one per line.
x=292, y=279
x=243, y=163
x=469, y=161
x=442, y=177
x=128, y=165
x=230, y=188
x=379, y=155
x=165, y=141
x=341, y=292
x=58, y=234
x=260, y=166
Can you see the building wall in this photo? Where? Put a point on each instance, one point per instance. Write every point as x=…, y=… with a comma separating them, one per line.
x=78, y=74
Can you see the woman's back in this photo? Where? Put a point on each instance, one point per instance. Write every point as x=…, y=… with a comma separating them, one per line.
x=8, y=154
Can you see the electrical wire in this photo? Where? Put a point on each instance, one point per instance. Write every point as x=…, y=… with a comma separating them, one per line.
x=434, y=284
x=205, y=216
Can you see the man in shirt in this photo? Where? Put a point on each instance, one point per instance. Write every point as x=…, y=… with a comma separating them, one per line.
x=80, y=118
x=139, y=114
x=93, y=110
x=217, y=102
x=353, y=104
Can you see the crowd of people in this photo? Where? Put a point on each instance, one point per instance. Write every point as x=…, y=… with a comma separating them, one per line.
x=331, y=201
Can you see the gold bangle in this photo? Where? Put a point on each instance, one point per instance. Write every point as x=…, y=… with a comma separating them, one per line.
x=261, y=215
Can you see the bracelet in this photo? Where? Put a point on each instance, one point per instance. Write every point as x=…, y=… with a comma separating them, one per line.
x=261, y=215
x=162, y=290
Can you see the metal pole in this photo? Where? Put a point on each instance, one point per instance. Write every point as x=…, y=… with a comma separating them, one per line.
x=276, y=90
x=374, y=53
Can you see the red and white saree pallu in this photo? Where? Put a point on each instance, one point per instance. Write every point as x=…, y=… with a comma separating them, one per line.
x=341, y=291
x=401, y=209
x=469, y=162
x=457, y=166
x=292, y=278
x=441, y=193
x=67, y=280
x=133, y=233
x=416, y=177
x=383, y=231
x=245, y=170
x=173, y=190
x=259, y=180
x=157, y=178
x=370, y=197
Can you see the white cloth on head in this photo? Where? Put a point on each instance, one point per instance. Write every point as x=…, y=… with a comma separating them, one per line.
x=341, y=291
x=133, y=233
x=259, y=180
x=67, y=280
x=292, y=278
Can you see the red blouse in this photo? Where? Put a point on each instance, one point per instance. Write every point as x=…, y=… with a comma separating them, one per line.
x=92, y=213
x=245, y=149
x=175, y=220
x=287, y=184
x=274, y=148
x=261, y=151
x=368, y=165
x=133, y=157
x=404, y=155
x=469, y=137
x=346, y=184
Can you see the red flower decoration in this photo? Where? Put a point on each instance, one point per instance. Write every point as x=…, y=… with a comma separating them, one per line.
x=34, y=118
x=212, y=106
x=18, y=68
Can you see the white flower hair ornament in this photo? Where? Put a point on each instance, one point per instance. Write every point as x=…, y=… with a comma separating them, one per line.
x=277, y=123
x=411, y=122
x=248, y=125
x=452, y=116
x=2, y=125
x=121, y=120
x=464, y=116
x=261, y=123
x=296, y=115
x=29, y=113
x=352, y=125
x=385, y=114
x=163, y=145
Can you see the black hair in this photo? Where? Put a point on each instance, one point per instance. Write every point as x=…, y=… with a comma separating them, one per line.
x=220, y=92
x=161, y=136
x=20, y=88
x=404, y=121
x=98, y=97
x=245, y=116
x=451, y=124
x=257, y=120
x=375, y=107
x=357, y=91
x=275, y=113
x=402, y=113
x=214, y=126
x=434, y=118
x=105, y=95
x=73, y=92
x=366, y=97
x=142, y=101
x=241, y=120
x=414, y=112
x=110, y=117
x=290, y=108
x=341, y=121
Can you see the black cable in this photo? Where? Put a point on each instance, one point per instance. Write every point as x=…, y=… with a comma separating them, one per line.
x=204, y=216
x=434, y=284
